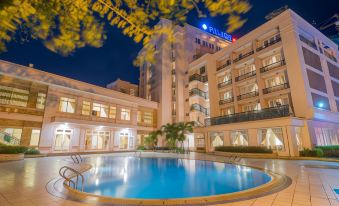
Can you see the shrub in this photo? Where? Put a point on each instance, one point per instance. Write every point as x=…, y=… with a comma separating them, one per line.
x=9, y=149
x=32, y=151
x=141, y=147
x=162, y=148
x=317, y=152
x=244, y=149
x=330, y=151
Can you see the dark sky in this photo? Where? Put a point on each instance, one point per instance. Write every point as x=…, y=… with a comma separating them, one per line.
x=103, y=65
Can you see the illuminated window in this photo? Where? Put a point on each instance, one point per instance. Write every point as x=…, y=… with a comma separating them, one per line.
x=13, y=96
x=112, y=112
x=271, y=138
x=86, y=108
x=239, y=138
x=11, y=135
x=100, y=110
x=41, y=101
x=217, y=139
x=67, y=105
x=148, y=117
x=35, y=136
x=125, y=114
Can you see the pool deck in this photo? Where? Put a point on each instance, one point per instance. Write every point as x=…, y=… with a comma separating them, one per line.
x=23, y=183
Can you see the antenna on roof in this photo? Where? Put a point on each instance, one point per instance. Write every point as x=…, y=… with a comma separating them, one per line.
x=276, y=12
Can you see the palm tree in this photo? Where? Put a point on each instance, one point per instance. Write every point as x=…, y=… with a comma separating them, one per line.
x=176, y=132
x=152, y=139
x=183, y=129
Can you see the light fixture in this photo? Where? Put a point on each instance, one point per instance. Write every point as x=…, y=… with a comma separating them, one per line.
x=320, y=104
x=204, y=26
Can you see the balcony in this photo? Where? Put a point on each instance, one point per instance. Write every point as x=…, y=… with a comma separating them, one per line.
x=242, y=56
x=245, y=76
x=228, y=62
x=276, y=88
x=268, y=113
x=198, y=92
x=223, y=84
x=272, y=66
x=198, y=77
x=308, y=42
x=248, y=95
x=278, y=39
x=225, y=101
x=199, y=108
x=330, y=56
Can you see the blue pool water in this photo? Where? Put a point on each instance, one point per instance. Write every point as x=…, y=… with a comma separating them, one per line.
x=163, y=178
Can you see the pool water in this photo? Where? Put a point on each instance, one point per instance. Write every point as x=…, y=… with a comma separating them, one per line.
x=164, y=178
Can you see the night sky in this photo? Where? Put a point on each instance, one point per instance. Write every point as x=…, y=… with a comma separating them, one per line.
x=114, y=60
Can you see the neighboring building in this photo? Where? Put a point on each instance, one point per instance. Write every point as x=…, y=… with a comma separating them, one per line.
x=166, y=80
x=330, y=28
x=277, y=87
x=58, y=114
x=124, y=87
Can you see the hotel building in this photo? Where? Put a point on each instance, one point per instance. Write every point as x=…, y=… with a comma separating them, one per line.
x=124, y=87
x=166, y=80
x=58, y=114
x=277, y=87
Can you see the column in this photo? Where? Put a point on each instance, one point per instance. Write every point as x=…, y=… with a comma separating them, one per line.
x=252, y=137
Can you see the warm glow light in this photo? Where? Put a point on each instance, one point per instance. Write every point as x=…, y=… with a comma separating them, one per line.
x=234, y=39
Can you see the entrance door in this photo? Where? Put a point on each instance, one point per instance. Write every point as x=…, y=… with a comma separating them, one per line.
x=96, y=139
x=123, y=144
x=62, y=139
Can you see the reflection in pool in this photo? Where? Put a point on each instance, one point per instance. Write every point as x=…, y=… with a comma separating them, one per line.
x=163, y=178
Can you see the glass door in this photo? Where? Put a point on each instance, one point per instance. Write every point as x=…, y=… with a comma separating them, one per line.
x=62, y=139
x=96, y=139
x=123, y=143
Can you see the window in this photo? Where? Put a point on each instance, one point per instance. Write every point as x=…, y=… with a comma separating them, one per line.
x=239, y=138
x=112, y=112
x=227, y=77
x=247, y=69
x=226, y=95
x=275, y=81
x=148, y=117
x=125, y=114
x=217, y=139
x=11, y=135
x=272, y=59
x=62, y=139
x=67, y=105
x=248, y=89
x=41, y=101
x=271, y=138
x=312, y=59
x=13, y=96
x=96, y=140
x=86, y=108
x=227, y=111
x=327, y=136
x=100, y=110
x=251, y=107
x=35, y=136
x=278, y=102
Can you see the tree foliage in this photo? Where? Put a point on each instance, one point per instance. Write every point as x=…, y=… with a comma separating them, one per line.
x=66, y=25
x=176, y=132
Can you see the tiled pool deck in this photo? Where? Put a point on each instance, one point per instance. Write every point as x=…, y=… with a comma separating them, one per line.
x=24, y=182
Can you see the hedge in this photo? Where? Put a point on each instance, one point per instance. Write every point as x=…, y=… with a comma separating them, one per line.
x=244, y=149
x=9, y=149
x=32, y=151
x=330, y=151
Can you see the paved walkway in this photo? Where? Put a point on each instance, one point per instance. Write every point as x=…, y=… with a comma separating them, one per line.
x=22, y=183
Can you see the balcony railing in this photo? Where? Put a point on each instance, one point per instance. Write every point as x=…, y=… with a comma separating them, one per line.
x=308, y=42
x=242, y=56
x=198, y=77
x=196, y=91
x=248, y=95
x=276, y=88
x=223, y=84
x=272, y=66
x=228, y=62
x=245, y=76
x=268, y=113
x=199, y=108
x=225, y=101
x=278, y=39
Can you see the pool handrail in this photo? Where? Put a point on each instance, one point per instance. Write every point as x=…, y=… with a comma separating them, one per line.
x=68, y=178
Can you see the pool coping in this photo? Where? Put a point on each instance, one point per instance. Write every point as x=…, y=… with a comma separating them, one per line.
x=278, y=182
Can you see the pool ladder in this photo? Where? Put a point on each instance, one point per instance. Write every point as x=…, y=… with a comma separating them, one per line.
x=73, y=174
x=233, y=159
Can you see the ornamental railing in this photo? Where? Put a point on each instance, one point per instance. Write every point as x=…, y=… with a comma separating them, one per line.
x=198, y=77
x=199, y=108
x=245, y=76
x=225, y=101
x=228, y=62
x=270, y=43
x=268, y=113
x=248, y=95
x=272, y=66
x=223, y=84
x=242, y=56
x=276, y=88
x=196, y=91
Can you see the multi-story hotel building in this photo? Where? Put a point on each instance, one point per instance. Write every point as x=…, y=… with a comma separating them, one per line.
x=165, y=81
x=58, y=114
x=277, y=87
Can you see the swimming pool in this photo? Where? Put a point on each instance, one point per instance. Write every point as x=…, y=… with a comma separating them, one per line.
x=167, y=178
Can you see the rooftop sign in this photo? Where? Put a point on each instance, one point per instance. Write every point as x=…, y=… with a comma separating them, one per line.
x=216, y=32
